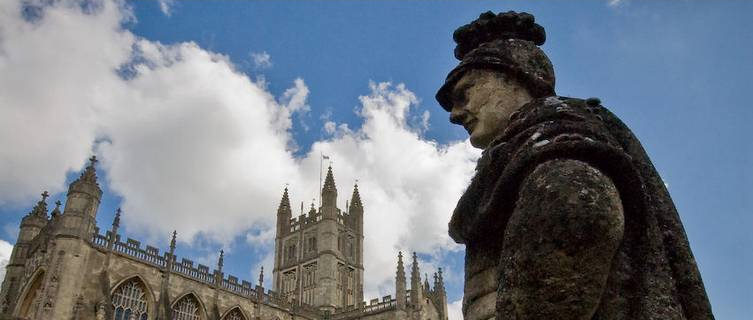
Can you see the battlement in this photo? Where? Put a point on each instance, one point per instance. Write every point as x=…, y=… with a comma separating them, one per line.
x=131, y=248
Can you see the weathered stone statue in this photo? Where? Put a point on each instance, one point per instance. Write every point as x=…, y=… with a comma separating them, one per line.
x=566, y=217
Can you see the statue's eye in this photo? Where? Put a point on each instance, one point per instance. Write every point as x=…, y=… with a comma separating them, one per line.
x=459, y=96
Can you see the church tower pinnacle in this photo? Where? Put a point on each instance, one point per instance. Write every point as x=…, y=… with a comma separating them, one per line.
x=82, y=203
x=400, y=282
x=329, y=194
x=416, y=295
x=284, y=213
x=355, y=209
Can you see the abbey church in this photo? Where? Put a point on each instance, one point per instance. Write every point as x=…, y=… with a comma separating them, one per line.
x=64, y=267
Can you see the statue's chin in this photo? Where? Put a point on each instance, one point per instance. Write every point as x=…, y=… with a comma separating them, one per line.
x=478, y=142
x=482, y=309
x=480, y=298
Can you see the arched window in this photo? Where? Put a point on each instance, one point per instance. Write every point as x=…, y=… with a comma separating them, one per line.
x=129, y=301
x=235, y=314
x=187, y=308
x=30, y=302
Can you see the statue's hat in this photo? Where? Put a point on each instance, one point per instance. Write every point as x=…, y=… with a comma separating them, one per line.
x=506, y=42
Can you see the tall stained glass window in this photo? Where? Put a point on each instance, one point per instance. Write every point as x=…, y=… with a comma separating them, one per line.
x=187, y=308
x=234, y=315
x=129, y=301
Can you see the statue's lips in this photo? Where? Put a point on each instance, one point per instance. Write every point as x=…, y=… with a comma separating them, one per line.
x=470, y=124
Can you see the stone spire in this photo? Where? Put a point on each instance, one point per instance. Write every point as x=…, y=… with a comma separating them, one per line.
x=172, y=242
x=116, y=220
x=329, y=191
x=416, y=295
x=426, y=282
x=400, y=282
x=284, y=207
x=440, y=282
x=284, y=213
x=221, y=260
x=261, y=277
x=355, y=201
x=436, y=281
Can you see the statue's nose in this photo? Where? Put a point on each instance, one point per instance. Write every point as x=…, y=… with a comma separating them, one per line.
x=457, y=116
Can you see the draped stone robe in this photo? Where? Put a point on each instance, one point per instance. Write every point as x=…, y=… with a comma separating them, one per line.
x=533, y=209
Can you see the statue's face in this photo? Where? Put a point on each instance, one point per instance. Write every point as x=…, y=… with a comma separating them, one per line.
x=482, y=102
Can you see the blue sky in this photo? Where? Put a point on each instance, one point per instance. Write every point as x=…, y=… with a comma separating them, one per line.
x=678, y=73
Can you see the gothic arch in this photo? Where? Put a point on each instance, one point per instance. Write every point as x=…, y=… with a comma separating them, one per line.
x=201, y=309
x=29, y=293
x=149, y=298
x=231, y=313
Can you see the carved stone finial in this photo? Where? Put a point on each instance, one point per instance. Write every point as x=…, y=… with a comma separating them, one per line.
x=400, y=268
x=56, y=211
x=90, y=173
x=40, y=209
x=116, y=220
x=221, y=260
x=172, y=241
x=261, y=277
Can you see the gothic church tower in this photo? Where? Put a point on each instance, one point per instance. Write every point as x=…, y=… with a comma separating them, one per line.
x=319, y=255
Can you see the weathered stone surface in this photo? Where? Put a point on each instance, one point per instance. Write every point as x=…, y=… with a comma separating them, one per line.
x=566, y=217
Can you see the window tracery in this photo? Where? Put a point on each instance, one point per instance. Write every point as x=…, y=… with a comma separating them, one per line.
x=129, y=301
x=235, y=314
x=187, y=308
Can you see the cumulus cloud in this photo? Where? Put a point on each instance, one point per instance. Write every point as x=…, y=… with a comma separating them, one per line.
x=407, y=202
x=190, y=143
x=5, y=250
x=262, y=60
x=455, y=310
x=166, y=6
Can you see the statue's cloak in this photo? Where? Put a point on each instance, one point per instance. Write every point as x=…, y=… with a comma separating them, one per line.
x=653, y=274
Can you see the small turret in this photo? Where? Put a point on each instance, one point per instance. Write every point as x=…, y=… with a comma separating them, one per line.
x=441, y=296
x=400, y=282
x=416, y=294
x=284, y=213
x=82, y=203
x=30, y=227
x=439, y=288
x=356, y=207
x=113, y=234
x=35, y=220
x=355, y=210
x=329, y=195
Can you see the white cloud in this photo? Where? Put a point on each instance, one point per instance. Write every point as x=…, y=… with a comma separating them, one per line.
x=455, y=310
x=260, y=237
x=615, y=3
x=5, y=250
x=166, y=6
x=192, y=144
x=262, y=60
